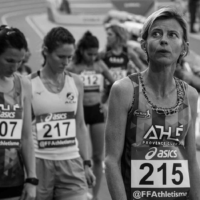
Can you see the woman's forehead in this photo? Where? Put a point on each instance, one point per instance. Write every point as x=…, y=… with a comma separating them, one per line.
x=168, y=24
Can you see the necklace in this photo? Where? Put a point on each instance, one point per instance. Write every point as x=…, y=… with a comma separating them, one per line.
x=54, y=87
x=166, y=111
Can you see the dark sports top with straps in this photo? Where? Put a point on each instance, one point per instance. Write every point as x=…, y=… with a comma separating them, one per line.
x=148, y=129
x=116, y=61
x=11, y=115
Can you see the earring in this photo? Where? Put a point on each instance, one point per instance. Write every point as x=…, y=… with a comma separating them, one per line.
x=183, y=53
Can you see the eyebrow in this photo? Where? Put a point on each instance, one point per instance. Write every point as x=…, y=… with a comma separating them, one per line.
x=158, y=29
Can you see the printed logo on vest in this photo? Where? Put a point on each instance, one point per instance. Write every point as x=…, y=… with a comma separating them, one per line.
x=169, y=153
x=116, y=60
x=9, y=111
x=70, y=98
x=159, y=135
x=142, y=114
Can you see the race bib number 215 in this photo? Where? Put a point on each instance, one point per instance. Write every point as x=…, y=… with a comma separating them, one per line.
x=159, y=173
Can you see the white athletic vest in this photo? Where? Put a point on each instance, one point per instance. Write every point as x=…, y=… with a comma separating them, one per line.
x=54, y=125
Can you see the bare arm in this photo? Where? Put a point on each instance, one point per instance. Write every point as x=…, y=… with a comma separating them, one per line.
x=106, y=72
x=27, y=140
x=28, y=152
x=81, y=129
x=194, y=171
x=81, y=132
x=115, y=135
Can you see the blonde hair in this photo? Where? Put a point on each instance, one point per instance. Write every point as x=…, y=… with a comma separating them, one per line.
x=120, y=32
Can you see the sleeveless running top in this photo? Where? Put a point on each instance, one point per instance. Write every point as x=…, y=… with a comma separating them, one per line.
x=11, y=116
x=92, y=77
x=54, y=125
x=117, y=64
x=154, y=164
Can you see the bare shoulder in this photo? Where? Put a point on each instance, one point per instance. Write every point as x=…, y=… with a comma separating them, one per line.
x=122, y=91
x=192, y=94
x=123, y=85
x=193, y=98
x=101, y=64
x=77, y=80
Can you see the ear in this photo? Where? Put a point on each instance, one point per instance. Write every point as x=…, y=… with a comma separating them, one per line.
x=143, y=45
x=185, y=49
x=45, y=50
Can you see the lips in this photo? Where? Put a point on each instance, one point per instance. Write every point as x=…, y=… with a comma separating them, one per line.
x=163, y=51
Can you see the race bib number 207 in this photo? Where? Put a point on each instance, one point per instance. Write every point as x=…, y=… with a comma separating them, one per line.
x=10, y=128
x=159, y=173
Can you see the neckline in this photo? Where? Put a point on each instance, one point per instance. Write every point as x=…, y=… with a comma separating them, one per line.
x=39, y=75
x=165, y=111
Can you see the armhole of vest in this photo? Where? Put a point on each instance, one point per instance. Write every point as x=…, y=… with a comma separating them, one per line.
x=32, y=113
x=19, y=87
x=35, y=74
x=132, y=77
x=185, y=86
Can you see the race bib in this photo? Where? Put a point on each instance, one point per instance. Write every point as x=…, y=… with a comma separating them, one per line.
x=159, y=173
x=118, y=73
x=92, y=81
x=10, y=128
x=56, y=130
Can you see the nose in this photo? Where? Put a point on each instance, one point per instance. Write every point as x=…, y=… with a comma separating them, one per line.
x=16, y=65
x=164, y=40
x=67, y=60
x=93, y=58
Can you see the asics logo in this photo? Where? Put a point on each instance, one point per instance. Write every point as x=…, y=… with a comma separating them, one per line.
x=151, y=153
x=168, y=153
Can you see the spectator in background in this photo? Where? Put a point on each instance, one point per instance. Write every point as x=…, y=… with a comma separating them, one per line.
x=64, y=7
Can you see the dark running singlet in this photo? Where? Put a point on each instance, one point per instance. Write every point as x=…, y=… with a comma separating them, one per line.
x=117, y=64
x=11, y=168
x=154, y=163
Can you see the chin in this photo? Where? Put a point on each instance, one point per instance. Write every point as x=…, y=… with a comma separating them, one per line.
x=164, y=61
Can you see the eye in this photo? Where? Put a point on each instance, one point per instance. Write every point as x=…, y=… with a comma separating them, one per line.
x=69, y=57
x=61, y=57
x=10, y=60
x=173, y=35
x=156, y=33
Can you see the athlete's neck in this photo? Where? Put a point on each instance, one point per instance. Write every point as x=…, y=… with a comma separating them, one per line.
x=117, y=50
x=49, y=74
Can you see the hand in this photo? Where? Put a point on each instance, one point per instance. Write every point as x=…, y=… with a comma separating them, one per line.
x=104, y=109
x=91, y=179
x=29, y=192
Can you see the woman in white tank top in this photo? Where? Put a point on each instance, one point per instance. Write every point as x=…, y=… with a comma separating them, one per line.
x=58, y=126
